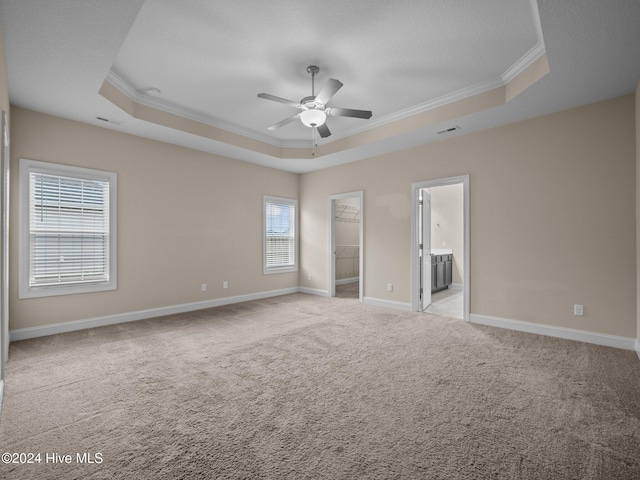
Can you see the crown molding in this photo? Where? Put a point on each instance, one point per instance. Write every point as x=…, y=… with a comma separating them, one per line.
x=512, y=72
x=426, y=106
x=168, y=107
x=536, y=52
x=525, y=62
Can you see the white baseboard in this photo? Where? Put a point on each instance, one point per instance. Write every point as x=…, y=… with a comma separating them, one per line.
x=314, y=291
x=1, y=394
x=344, y=281
x=52, y=329
x=457, y=286
x=376, y=302
x=625, y=343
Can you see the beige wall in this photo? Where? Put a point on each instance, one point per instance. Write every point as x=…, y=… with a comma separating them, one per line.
x=4, y=105
x=541, y=240
x=447, y=224
x=184, y=218
x=552, y=217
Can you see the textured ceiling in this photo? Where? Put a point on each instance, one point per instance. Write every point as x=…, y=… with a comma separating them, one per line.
x=210, y=59
x=213, y=58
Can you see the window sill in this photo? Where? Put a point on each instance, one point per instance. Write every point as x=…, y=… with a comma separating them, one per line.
x=270, y=271
x=54, y=291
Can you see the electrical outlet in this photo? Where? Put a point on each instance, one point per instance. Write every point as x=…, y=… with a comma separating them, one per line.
x=389, y=287
x=578, y=310
x=225, y=284
x=309, y=277
x=203, y=287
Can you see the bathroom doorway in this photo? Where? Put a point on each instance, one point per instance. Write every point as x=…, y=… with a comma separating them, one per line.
x=440, y=247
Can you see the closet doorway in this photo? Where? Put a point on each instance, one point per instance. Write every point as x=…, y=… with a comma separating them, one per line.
x=346, y=245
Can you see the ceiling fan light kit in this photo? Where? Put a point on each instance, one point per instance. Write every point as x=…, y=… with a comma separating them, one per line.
x=313, y=117
x=314, y=110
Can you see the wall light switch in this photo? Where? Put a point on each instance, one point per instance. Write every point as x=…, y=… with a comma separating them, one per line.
x=578, y=310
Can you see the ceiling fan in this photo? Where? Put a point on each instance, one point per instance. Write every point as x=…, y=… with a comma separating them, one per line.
x=314, y=109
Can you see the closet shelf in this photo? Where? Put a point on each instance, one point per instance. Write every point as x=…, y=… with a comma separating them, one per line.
x=347, y=251
x=347, y=214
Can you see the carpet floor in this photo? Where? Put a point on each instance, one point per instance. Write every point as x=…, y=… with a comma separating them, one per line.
x=304, y=387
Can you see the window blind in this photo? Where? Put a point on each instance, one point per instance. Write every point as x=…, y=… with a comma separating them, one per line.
x=280, y=238
x=68, y=230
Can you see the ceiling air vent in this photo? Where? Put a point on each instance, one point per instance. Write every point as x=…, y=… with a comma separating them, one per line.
x=449, y=130
x=108, y=120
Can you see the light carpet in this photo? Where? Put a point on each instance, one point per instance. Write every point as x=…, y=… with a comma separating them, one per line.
x=304, y=387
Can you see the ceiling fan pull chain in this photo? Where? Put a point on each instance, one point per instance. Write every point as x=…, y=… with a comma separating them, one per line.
x=314, y=142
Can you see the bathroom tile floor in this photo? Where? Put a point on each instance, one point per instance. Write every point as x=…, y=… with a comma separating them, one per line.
x=448, y=302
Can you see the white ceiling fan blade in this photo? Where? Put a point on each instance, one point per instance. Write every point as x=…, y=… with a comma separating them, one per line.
x=323, y=130
x=291, y=103
x=284, y=122
x=349, y=112
x=329, y=90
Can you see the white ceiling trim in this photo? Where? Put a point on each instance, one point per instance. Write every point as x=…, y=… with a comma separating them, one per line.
x=537, y=51
x=168, y=107
x=426, y=106
x=521, y=65
x=512, y=72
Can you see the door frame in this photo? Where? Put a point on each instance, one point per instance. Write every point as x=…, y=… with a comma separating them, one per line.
x=4, y=245
x=415, y=272
x=332, y=241
x=424, y=276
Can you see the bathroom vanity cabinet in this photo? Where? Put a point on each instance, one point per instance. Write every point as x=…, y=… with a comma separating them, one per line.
x=441, y=271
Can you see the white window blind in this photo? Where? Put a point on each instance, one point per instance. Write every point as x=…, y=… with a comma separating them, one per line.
x=69, y=225
x=69, y=230
x=280, y=234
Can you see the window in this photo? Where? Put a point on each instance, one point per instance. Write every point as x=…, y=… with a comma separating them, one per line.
x=280, y=235
x=67, y=229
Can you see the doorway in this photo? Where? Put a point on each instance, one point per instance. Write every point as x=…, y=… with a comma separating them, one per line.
x=440, y=245
x=346, y=245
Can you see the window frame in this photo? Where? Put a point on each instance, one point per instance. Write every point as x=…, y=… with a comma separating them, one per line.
x=287, y=201
x=26, y=167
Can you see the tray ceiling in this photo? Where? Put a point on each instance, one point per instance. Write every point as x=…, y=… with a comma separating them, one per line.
x=191, y=75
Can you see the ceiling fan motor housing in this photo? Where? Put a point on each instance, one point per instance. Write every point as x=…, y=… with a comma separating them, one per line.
x=310, y=102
